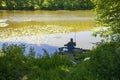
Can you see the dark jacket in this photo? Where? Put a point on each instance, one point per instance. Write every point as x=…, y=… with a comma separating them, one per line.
x=70, y=45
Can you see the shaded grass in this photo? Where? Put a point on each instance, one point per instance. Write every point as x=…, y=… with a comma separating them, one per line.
x=103, y=64
x=14, y=65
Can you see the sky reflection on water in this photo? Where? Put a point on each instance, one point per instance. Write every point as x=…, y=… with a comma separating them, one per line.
x=51, y=42
x=47, y=29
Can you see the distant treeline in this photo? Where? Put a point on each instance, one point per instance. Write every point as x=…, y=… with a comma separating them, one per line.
x=46, y=5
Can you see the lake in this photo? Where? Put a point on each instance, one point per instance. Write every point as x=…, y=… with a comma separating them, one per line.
x=47, y=29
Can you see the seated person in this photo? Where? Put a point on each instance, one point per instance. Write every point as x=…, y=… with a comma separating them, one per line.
x=70, y=45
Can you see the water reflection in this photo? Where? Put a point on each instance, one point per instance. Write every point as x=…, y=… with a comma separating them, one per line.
x=51, y=42
x=47, y=29
x=3, y=23
x=19, y=16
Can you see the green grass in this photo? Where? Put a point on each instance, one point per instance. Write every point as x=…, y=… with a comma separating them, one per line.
x=104, y=64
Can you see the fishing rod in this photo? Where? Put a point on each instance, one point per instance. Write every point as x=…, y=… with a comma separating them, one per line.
x=75, y=36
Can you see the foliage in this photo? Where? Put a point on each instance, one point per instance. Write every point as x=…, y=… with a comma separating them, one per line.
x=103, y=64
x=31, y=53
x=46, y=4
x=15, y=66
x=108, y=14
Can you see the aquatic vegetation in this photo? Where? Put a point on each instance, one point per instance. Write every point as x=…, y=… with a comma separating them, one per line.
x=27, y=23
x=34, y=28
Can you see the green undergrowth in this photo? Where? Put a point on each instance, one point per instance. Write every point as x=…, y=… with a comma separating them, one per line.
x=103, y=64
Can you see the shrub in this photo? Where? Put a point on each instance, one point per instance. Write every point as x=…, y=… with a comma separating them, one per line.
x=104, y=64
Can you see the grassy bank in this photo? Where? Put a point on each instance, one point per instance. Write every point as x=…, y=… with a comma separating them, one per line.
x=103, y=64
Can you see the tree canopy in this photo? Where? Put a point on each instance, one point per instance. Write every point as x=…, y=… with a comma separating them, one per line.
x=46, y=4
x=108, y=14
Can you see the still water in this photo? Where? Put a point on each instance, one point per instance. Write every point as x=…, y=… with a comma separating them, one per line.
x=47, y=29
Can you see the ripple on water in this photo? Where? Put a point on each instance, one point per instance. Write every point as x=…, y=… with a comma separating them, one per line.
x=3, y=24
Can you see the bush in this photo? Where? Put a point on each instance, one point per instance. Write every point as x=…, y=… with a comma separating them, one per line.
x=15, y=66
x=103, y=64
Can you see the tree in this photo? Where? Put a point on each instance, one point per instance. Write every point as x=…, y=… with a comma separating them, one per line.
x=46, y=4
x=108, y=14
